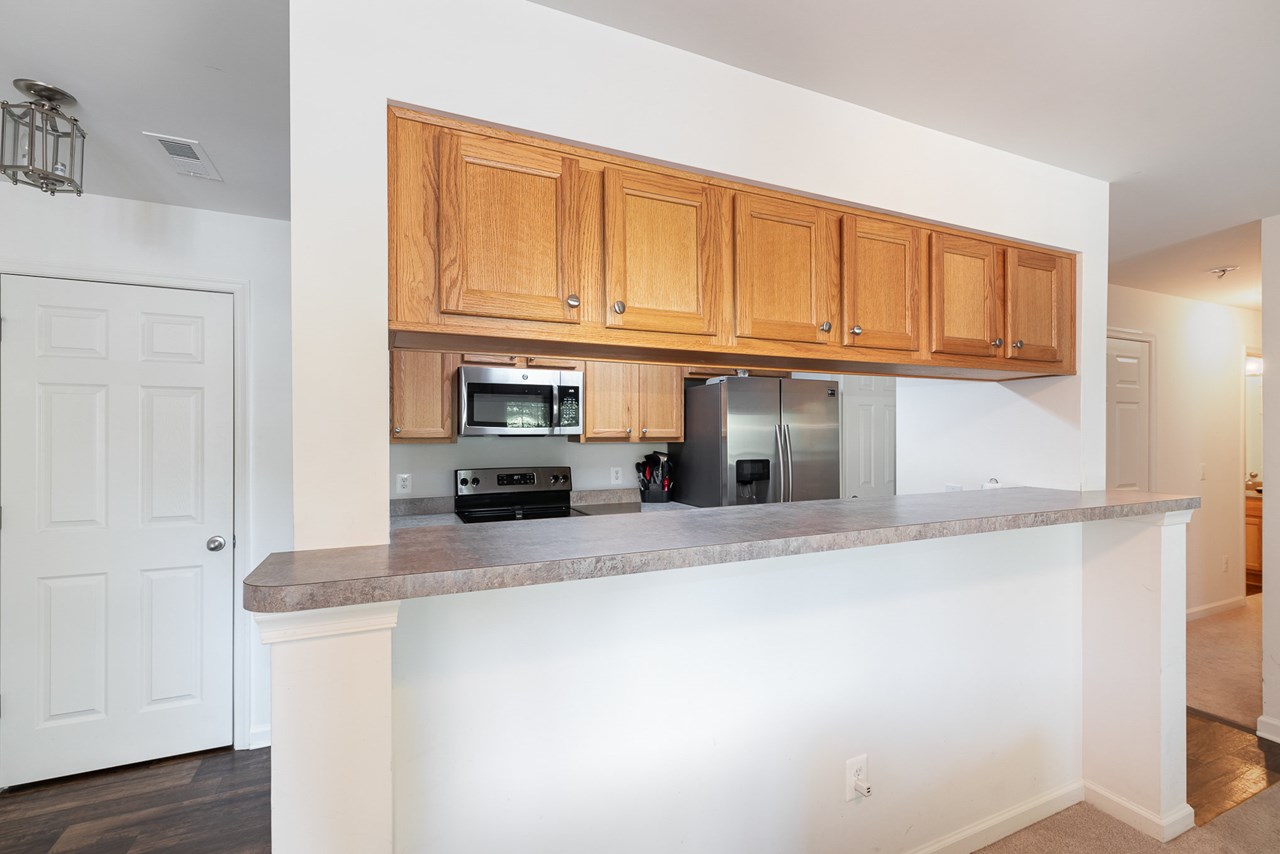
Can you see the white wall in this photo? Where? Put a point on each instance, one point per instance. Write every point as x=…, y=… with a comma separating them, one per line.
x=101, y=238
x=519, y=64
x=1198, y=418
x=432, y=465
x=1269, y=723
x=710, y=710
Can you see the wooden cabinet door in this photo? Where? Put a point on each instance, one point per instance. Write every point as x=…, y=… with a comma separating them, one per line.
x=884, y=268
x=1038, y=299
x=967, y=308
x=786, y=271
x=666, y=245
x=660, y=402
x=608, y=389
x=511, y=223
x=422, y=386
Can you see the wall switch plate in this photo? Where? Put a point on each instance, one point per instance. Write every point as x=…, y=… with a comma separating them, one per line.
x=954, y=487
x=615, y=475
x=404, y=483
x=856, y=781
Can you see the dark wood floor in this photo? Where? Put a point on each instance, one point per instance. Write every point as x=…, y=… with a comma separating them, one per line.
x=1225, y=765
x=219, y=801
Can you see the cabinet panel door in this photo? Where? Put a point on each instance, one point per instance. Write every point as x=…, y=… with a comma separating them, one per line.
x=510, y=223
x=422, y=395
x=967, y=308
x=1036, y=299
x=786, y=269
x=660, y=400
x=884, y=264
x=664, y=242
x=608, y=388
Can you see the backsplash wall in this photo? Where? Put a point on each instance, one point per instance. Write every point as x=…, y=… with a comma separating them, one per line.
x=432, y=465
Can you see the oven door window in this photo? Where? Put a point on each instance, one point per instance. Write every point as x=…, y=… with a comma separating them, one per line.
x=511, y=406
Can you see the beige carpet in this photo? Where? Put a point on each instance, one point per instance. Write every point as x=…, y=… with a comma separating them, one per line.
x=1224, y=664
x=1251, y=828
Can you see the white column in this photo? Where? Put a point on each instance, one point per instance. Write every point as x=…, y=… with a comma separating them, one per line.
x=1135, y=664
x=1269, y=723
x=331, y=729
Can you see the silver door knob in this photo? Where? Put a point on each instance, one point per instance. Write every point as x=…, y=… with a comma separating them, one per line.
x=998, y=342
x=215, y=544
x=857, y=330
x=619, y=307
x=826, y=327
x=1018, y=344
x=573, y=301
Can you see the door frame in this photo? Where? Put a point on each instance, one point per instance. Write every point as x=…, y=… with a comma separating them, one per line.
x=241, y=625
x=1148, y=338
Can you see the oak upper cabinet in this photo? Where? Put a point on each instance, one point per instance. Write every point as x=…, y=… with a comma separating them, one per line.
x=786, y=270
x=511, y=230
x=632, y=403
x=422, y=386
x=1039, y=302
x=965, y=287
x=666, y=252
x=884, y=268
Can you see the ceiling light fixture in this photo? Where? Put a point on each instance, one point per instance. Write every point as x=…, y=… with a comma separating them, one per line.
x=1222, y=271
x=41, y=146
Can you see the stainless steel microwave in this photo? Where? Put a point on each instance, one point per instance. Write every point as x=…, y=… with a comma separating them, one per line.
x=519, y=402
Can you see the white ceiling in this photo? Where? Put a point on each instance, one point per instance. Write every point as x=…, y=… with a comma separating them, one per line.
x=1173, y=101
x=216, y=71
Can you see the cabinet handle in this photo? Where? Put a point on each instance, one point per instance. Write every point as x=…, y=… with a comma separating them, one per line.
x=1018, y=344
x=628, y=431
x=644, y=431
x=397, y=430
x=573, y=301
x=619, y=307
x=998, y=342
x=857, y=330
x=826, y=327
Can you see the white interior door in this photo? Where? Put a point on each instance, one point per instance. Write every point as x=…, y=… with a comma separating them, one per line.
x=870, y=436
x=1128, y=414
x=116, y=463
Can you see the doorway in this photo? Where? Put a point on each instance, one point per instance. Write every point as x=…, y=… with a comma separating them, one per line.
x=870, y=424
x=116, y=481
x=1129, y=414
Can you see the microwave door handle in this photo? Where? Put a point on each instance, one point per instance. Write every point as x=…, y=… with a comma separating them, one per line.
x=555, y=411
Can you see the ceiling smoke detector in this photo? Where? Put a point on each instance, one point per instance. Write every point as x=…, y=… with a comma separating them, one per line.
x=188, y=156
x=1222, y=271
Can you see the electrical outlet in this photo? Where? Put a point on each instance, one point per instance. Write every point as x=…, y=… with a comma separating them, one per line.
x=404, y=483
x=1226, y=563
x=954, y=487
x=615, y=475
x=856, y=781
x=1202, y=471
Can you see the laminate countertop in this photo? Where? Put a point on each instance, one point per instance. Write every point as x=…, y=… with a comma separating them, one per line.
x=435, y=561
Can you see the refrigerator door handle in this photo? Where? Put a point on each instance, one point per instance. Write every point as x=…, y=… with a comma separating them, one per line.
x=790, y=467
x=782, y=463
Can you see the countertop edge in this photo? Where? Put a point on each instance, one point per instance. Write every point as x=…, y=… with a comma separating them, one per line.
x=280, y=598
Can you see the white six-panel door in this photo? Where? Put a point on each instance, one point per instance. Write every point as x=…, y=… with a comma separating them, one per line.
x=870, y=436
x=116, y=462
x=1128, y=414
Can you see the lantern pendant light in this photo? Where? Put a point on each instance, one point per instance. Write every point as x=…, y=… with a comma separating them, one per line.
x=40, y=145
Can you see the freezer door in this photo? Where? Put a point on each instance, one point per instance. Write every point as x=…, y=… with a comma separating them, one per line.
x=751, y=432
x=811, y=431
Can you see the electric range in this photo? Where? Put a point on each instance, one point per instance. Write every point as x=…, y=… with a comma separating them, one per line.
x=505, y=494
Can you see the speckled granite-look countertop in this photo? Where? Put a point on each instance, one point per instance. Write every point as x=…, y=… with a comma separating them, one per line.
x=460, y=558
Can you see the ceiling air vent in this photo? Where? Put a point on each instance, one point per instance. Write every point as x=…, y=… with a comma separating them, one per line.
x=188, y=156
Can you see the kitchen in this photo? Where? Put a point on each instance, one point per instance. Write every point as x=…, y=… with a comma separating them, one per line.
x=703, y=693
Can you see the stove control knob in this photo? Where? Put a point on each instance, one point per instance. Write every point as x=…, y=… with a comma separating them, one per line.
x=475, y=481
x=462, y=482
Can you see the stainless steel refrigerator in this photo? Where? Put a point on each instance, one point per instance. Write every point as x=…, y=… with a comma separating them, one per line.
x=755, y=440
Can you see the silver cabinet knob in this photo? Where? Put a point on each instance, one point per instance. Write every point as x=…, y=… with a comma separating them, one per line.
x=628, y=431
x=573, y=301
x=999, y=342
x=215, y=544
x=644, y=430
x=826, y=327
x=1018, y=344
x=619, y=307
x=857, y=330
x=397, y=430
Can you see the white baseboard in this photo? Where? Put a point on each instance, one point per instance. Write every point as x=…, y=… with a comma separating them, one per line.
x=260, y=736
x=1269, y=728
x=1176, y=822
x=1214, y=608
x=1015, y=818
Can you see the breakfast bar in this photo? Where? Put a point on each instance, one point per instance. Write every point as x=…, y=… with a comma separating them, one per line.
x=368, y=674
